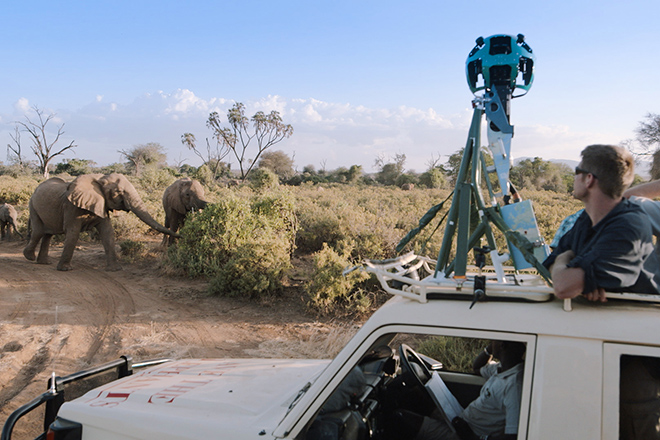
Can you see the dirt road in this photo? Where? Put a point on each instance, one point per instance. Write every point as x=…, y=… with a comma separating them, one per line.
x=67, y=321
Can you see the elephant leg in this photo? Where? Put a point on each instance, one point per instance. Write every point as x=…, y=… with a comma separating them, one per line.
x=28, y=251
x=43, y=250
x=70, y=241
x=107, y=234
x=2, y=231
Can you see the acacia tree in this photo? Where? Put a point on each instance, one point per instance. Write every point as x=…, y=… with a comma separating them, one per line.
x=140, y=156
x=41, y=146
x=267, y=130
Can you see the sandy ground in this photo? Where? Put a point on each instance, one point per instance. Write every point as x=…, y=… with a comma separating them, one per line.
x=62, y=322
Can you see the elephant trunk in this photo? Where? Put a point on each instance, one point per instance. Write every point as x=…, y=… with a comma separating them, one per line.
x=16, y=229
x=200, y=204
x=136, y=205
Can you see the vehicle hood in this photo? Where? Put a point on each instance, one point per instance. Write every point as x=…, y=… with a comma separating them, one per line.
x=204, y=398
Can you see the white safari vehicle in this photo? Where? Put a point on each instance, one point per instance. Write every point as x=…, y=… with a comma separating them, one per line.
x=571, y=384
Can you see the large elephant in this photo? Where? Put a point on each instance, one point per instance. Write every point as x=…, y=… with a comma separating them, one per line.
x=180, y=198
x=8, y=216
x=59, y=207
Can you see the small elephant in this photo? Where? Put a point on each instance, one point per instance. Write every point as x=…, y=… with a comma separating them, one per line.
x=8, y=216
x=59, y=207
x=180, y=198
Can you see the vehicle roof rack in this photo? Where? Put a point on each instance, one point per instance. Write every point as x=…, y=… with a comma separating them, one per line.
x=412, y=276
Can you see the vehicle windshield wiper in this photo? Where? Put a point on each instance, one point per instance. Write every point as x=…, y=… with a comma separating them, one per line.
x=302, y=392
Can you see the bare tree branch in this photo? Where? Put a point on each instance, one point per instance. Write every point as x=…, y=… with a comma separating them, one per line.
x=214, y=154
x=648, y=132
x=41, y=147
x=15, y=154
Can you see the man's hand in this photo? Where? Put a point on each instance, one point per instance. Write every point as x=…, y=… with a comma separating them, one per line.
x=597, y=295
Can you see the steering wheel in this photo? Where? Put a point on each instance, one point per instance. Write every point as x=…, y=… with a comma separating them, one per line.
x=412, y=364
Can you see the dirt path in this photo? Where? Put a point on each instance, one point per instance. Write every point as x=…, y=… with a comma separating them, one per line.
x=67, y=321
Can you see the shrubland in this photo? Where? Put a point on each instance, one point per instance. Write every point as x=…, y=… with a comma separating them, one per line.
x=248, y=241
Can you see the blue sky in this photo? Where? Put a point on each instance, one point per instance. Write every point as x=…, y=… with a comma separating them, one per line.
x=356, y=79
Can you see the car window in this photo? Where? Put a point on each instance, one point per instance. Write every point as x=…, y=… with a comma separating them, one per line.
x=631, y=386
x=639, y=397
x=408, y=377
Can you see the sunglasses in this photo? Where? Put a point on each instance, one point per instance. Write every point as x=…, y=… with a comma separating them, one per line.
x=579, y=170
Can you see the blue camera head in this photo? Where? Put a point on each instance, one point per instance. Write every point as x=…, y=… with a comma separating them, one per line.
x=503, y=61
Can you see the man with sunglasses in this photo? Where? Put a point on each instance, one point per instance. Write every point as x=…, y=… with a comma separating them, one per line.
x=610, y=247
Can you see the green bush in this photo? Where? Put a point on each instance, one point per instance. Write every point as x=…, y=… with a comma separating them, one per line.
x=331, y=291
x=155, y=180
x=262, y=179
x=373, y=218
x=253, y=270
x=434, y=178
x=243, y=244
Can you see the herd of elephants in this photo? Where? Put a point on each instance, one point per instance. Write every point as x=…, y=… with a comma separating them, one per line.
x=60, y=207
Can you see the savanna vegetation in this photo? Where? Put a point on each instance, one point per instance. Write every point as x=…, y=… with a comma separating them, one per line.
x=255, y=238
x=270, y=224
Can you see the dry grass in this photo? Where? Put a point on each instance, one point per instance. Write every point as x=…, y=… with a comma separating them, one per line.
x=314, y=341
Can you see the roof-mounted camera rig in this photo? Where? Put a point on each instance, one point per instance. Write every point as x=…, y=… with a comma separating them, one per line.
x=496, y=67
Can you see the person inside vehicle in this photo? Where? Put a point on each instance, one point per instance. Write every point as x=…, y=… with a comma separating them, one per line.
x=493, y=415
x=610, y=247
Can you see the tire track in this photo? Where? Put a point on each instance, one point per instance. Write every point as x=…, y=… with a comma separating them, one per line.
x=107, y=295
x=26, y=375
x=88, y=298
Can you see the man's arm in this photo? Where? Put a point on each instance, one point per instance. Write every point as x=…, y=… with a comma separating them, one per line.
x=482, y=358
x=649, y=190
x=568, y=282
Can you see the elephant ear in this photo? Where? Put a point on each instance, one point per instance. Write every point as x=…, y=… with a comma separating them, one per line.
x=85, y=192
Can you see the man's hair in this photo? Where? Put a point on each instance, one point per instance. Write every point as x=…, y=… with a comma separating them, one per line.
x=614, y=168
x=515, y=349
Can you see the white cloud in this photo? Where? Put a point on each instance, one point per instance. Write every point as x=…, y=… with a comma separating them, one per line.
x=333, y=134
x=22, y=106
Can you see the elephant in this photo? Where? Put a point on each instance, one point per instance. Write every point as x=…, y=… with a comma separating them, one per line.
x=180, y=198
x=8, y=216
x=60, y=207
